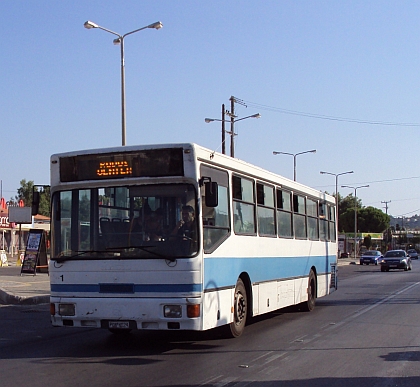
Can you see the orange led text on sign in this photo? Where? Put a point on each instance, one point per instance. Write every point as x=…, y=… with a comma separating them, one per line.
x=114, y=168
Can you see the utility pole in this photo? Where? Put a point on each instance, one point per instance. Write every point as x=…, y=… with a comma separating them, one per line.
x=233, y=119
x=388, y=231
x=386, y=206
x=234, y=100
x=232, y=122
x=223, y=130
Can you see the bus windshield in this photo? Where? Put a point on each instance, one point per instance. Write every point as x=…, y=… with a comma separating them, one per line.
x=149, y=221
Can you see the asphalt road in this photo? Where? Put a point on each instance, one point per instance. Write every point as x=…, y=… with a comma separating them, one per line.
x=365, y=334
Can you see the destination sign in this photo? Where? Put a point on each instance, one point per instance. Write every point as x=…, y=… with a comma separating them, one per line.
x=142, y=163
x=114, y=168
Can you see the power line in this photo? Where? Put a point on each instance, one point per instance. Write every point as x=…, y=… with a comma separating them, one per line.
x=384, y=181
x=411, y=212
x=376, y=181
x=325, y=117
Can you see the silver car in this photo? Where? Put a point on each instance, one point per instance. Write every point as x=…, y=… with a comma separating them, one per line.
x=395, y=259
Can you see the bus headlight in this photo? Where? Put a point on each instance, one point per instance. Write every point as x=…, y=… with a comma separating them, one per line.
x=67, y=309
x=172, y=311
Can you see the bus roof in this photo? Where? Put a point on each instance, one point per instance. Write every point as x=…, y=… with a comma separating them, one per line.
x=212, y=158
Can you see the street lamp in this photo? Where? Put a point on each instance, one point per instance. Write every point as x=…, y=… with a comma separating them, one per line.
x=233, y=120
x=120, y=40
x=355, y=212
x=294, y=158
x=336, y=193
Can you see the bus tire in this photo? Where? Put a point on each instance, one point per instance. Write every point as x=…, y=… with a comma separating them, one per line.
x=240, y=310
x=309, y=305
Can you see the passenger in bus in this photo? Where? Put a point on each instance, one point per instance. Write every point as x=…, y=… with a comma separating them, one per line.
x=137, y=224
x=186, y=227
x=153, y=226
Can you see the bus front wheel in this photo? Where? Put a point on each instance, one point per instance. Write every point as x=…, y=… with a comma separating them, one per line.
x=240, y=310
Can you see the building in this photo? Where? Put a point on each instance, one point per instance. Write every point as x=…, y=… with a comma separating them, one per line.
x=13, y=236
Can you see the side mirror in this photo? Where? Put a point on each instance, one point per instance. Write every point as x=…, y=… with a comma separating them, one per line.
x=211, y=190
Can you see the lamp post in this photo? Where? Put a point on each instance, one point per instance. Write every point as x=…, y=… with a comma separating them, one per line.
x=294, y=158
x=233, y=120
x=120, y=41
x=355, y=212
x=336, y=193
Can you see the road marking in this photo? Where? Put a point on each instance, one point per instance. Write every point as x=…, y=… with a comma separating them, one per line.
x=384, y=300
x=370, y=307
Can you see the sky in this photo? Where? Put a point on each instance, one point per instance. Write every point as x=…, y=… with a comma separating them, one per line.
x=341, y=77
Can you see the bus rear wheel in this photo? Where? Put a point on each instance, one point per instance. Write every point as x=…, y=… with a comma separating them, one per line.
x=309, y=305
x=240, y=310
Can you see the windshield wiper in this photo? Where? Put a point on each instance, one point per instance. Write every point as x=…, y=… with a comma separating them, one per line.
x=64, y=258
x=144, y=248
x=110, y=250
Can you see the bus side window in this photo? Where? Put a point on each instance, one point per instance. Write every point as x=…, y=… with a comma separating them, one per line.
x=299, y=216
x=243, y=205
x=284, y=214
x=215, y=218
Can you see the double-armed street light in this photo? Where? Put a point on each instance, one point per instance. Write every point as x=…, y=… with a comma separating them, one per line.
x=232, y=133
x=120, y=41
x=294, y=158
x=355, y=213
x=336, y=193
x=336, y=181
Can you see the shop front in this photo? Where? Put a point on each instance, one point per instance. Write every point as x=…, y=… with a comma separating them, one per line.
x=13, y=236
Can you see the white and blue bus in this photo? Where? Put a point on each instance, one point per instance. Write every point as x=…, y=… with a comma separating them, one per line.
x=178, y=237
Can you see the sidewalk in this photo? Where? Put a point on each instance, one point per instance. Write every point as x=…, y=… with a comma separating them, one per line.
x=25, y=289
x=348, y=261
x=29, y=289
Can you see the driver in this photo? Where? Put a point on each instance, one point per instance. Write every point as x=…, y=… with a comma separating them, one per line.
x=185, y=227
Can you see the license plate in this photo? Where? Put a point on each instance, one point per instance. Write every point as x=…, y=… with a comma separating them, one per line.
x=118, y=324
x=393, y=265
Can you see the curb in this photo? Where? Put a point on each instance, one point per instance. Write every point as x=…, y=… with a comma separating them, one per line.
x=10, y=299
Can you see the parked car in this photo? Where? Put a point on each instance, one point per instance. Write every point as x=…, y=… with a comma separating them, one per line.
x=345, y=255
x=370, y=256
x=395, y=259
x=413, y=254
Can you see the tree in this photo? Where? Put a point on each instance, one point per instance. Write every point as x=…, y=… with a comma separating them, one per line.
x=371, y=219
x=25, y=193
x=346, y=213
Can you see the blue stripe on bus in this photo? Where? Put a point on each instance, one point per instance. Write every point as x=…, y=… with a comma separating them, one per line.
x=138, y=288
x=223, y=272
x=218, y=273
